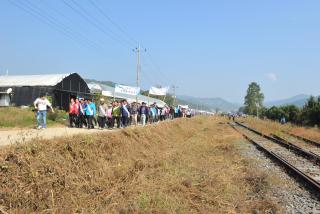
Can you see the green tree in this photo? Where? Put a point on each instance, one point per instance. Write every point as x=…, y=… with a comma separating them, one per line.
x=241, y=109
x=291, y=113
x=311, y=112
x=254, y=99
x=274, y=113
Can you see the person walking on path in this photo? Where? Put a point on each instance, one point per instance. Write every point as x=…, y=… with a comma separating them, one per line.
x=90, y=113
x=82, y=114
x=73, y=112
x=143, y=112
x=134, y=113
x=109, y=116
x=102, y=111
x=125, y=113
x=40, y=104
x=116, y=113
x=77, y=118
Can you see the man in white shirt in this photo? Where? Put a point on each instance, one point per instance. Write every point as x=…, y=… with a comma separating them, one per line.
x=41, y=105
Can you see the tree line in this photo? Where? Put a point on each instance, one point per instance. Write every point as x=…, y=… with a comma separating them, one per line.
x=308, y=115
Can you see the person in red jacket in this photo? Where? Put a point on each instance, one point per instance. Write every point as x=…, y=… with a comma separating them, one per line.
x=73, y=111
x=77, y=117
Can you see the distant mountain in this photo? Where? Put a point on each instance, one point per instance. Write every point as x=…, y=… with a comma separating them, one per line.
x=298, y=100
x=210, y=104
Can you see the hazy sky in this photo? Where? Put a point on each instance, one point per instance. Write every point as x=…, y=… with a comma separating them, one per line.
x=207, y=48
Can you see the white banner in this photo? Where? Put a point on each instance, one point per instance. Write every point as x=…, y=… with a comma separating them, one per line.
x=158, y=91
x=184, y=106
x=107, y=93
x=124, y=89
x=94, y=87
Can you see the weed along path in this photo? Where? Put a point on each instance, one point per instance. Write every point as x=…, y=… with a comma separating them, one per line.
x=8, y=137
x=197, y=165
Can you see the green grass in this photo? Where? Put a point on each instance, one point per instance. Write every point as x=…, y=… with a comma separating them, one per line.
x=11, y=117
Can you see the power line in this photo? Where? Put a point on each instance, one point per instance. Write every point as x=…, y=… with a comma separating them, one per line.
x=78, y=9
x=157, y=67
x=146, y=75
x=152, y=63
x=48, y=21
x=160, y=79
x=104, y=14
x=77, y=37
x=59, y=13
x=81, y=38
x=150, y=58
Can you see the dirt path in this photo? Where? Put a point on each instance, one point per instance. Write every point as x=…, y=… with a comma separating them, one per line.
x=20, y=136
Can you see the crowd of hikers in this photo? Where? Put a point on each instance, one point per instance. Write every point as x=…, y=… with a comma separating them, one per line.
x=117, y=114
x=83, y=113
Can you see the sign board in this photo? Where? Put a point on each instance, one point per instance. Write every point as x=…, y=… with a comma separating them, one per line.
x=158, y=91
x=124, y=89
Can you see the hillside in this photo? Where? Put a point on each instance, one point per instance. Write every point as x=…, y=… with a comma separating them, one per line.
x=211, y=104
x=298, y=100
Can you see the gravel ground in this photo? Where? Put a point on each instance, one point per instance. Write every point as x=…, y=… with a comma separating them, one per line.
x=291, y=195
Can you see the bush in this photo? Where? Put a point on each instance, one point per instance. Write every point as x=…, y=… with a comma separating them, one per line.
x=308, y=115
x=311, y=112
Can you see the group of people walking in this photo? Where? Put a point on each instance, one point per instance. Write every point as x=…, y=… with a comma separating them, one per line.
x=117, y=114
x=83, y=113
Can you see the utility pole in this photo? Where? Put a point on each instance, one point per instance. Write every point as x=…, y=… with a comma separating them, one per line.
x=138, y=51
x=174, y=88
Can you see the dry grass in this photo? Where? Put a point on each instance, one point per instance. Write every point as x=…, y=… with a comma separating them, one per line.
x=268, y=127
x=181, y=166
x=25, y=118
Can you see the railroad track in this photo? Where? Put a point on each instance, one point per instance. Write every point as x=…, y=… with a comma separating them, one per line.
x=294, y=140
x=303, y=164
x=312, y=142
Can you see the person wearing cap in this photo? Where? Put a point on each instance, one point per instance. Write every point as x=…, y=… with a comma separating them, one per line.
x=102, y=111
x=40, y=104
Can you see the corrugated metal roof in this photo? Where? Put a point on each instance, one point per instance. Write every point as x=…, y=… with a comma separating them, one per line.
x=32, y=80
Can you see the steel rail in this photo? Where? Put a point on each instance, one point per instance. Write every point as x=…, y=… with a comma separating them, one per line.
x=304, y=139
x=309, y=154
x=298, y=150
x=290, y=167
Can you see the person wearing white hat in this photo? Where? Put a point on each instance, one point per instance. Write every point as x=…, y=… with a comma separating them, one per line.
x=102, y=111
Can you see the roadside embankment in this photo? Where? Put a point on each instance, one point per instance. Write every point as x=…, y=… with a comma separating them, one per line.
x=181, y=166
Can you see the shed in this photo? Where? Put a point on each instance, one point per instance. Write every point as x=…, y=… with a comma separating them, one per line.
x=60, y=87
